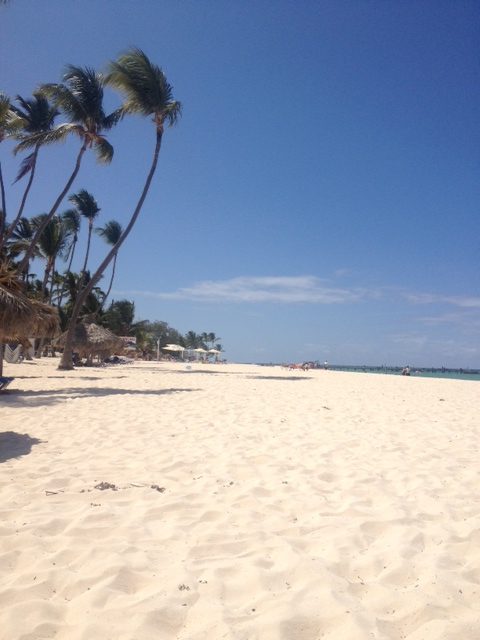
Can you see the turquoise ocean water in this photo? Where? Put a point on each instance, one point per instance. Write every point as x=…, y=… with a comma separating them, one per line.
x=447, y=374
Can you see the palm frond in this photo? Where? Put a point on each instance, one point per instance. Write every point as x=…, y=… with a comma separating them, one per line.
x=4, y=107
x=64, y=100
x=9, y=123
x=59, y=134
x=173, y=112
x=111, y=232
x=72, y=220
x=103, y=150
x=26, y=166
x=113, y=119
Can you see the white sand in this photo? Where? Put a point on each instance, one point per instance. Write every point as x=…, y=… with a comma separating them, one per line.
x=293, y=505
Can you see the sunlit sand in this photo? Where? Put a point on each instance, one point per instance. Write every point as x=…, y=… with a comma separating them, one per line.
x=237, y=502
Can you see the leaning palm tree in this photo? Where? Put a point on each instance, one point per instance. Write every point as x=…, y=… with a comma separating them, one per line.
x=80, y=99
x=87, y=206
x=147, y=93
x=34, y=116
x=111, y=233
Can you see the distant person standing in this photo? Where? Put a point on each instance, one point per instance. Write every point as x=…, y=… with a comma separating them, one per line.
x=325, y=365
x=406, y=371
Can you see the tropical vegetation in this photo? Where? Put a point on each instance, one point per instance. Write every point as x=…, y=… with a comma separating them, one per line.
x=60, y=298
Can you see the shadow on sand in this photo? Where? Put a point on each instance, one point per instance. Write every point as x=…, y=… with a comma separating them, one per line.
x=64, y=376
x=292, y=378
x=52, y=396
x=13, y=445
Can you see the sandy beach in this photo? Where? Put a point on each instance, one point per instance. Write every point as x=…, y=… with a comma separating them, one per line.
x=156, y=501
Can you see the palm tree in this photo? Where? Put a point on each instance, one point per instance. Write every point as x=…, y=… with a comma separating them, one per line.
x=111, y=233
x=74, y=284
x=212, y=338
x=80, y=99
x=87, y=206
x=20, y=241
x=34, y=116
x=148, y=93
x=53, y=243
x=71, y=220
x=193, y=340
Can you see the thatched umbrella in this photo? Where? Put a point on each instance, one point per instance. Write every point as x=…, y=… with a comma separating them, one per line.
x=21, y=316
x=92, y=340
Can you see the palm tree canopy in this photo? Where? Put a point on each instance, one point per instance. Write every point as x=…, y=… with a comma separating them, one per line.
x=5, y=114
x=145, y=87
x=71, y=220
x=80, y=98
x=9, y=123
x=21, y=238
x=54, y=238
x=85, y=204
x=111, y=232
x=34, y=116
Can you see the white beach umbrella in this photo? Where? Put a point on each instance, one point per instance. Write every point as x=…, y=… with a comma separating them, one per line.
x=199, y=351
x=214, y=351
x=173, y=347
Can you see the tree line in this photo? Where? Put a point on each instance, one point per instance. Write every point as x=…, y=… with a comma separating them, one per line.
x=31, y=123
x=150, y=335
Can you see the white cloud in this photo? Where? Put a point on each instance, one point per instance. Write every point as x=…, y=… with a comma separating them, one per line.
x=305, y=289
x=470, y=302
x=280, y=289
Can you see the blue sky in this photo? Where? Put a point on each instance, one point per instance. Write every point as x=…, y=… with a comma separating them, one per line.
x=319, y=198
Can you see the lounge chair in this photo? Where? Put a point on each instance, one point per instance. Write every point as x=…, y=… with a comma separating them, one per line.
x=4, y=382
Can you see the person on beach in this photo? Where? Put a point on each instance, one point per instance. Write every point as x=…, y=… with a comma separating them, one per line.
x=406, y=371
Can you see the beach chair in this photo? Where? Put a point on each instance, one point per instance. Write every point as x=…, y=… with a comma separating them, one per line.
x=4, y=382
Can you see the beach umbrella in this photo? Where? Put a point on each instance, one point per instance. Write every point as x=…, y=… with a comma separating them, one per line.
x=91, y=339
x=173, y=347
x=21, y=316
x=214, y=351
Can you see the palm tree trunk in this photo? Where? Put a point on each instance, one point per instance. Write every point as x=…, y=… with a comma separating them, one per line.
x=111, y=282
x=69, y=268
x=1, y=358
x=90, y=228
x=53, y=210
x=52, y=271
x=12, y=226
x=66, y=361
x=3, y=213
x=74, y=244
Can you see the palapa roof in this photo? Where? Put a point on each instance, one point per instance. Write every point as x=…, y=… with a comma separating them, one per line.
x=21, y=316
x=92, y=337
